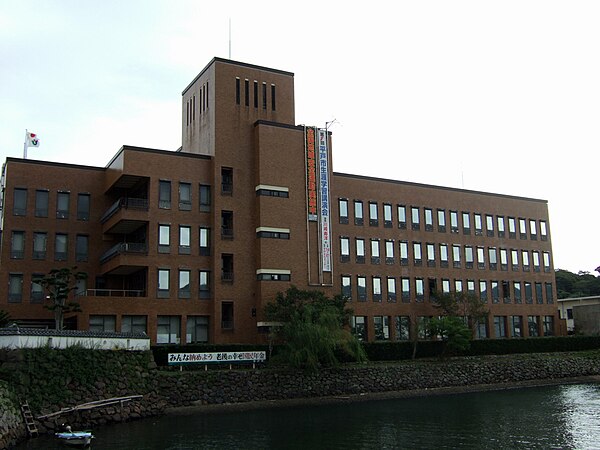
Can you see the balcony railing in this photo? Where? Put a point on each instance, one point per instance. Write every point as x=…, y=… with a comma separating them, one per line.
x=124, y=248
x=139, y=204
x=112, y=293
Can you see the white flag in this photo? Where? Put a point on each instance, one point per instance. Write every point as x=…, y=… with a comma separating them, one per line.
x=31, y=140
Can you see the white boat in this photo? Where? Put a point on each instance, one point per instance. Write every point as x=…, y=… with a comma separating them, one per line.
x=75, y=438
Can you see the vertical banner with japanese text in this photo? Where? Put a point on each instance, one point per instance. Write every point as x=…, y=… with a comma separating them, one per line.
x=324, y=201
x=311, y=171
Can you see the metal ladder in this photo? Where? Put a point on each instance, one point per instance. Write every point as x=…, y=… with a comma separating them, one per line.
x=29, y=422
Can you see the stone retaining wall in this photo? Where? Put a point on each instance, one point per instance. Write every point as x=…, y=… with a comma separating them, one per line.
x=212, y=387
x=12, y=427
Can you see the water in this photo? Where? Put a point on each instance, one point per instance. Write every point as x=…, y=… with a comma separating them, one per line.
x=550, y=417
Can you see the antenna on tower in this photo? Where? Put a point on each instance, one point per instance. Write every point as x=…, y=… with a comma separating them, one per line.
x=230, y=38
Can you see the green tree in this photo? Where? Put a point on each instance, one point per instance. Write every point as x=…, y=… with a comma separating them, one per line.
x=313, y=329
x=466, y=306
x=59, y=283
x=453, y=331
x=581, y=284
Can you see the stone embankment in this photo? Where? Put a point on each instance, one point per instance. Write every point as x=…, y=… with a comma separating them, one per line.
x=206, y=388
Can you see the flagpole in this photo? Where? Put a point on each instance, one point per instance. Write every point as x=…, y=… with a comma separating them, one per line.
x=25, y=145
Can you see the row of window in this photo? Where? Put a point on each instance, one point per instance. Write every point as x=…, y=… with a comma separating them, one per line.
x=470, y=223
x=399, y=328
x=255, y=96
x=184, y=196
x=168, y=328
x=190, y=115
x=406, y=289
x=42, y=204
x=40, y=246
x=433, y=254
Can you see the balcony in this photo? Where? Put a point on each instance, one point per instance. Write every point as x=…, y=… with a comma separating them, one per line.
x=112, y=293
x=125, y=215
x=124, y=258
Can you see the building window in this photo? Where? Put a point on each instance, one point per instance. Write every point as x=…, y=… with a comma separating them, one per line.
x=495, y=292
x=247, y=92
x=196, y=331
x=164, y=194
x=226, y=180
x=60, y=247
x=517, y=326
x=539, y=293
x=480, y=258
x=359, y=327
x=15, y=288
x=443, y=255
x=546, y=258
x=535, y=255
x=533, y=326
x=405, y=289
x=344, y=249
x=360, y=250
x=501, y=229
x=39, y=245
x=483, y=293
x=432, y=288
x=205, y=199
x=163, y=283
x=466, y=221
x=227, y=267
x=387, y=215
x=454, y=221
x=441, y=217
x=273, y=103
x=469, y=257
x=184, y=290
x=17, y=245
x=391, y=289
x=204, y=286
x=522, y=228
x=381, y=327
x=419, y=289
x=347, y=287
x=227, y=315
x=499, y=327
x=168, y=329
x=505, y=291
x=528, y=293
x=402, y=326
x=517, y=292
x=273, y=275
x=37, y=290
x=273, y=233
x=41, y=203
x=489, y=225
x=238, y=93
x=548, y=325
x=20, y=202
x=204, y=241
x=402, y=217
x=525, y=260
x=512, y=228
x=428, y=219
x=458, y=286
x=543, y=230
x=373, y=218
x=389, y=252
x=415, y=218
x=134, y=324
x=81, y=247
x=185, y=197
x=358, y=213
x=549, y=293
x=185, y=245
x=481, y=330
x=375, y=257
x=264, y=95
x=83, y=207
x=376, y=282
x=493, y=258
x=456, y=256
x=102, y=324
x=255, y=94
x=226, y=224
x=445, y=286
x=403, y=250
x=361, y=284
x=164, y=238
x=343, y=207
x=478, y=224
x=62, y=205
x=430, y=254
x=417, y=254
x=514, y=259
x=503, y=259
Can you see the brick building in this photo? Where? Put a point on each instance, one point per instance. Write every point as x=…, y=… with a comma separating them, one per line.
x=190, y=245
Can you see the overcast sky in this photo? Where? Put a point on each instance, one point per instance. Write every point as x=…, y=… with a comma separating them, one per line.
x=495, y=96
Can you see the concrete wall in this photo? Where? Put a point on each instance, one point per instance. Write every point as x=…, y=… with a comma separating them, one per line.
x=587, y=319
